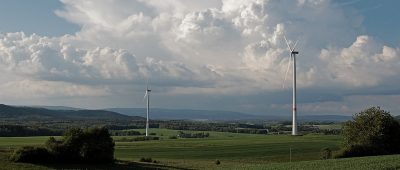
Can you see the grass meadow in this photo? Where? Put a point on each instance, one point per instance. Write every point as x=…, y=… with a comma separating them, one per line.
x=234, y=151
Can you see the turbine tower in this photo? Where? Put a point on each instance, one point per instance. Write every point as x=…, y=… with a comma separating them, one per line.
x=293, y=57
x=147, y=94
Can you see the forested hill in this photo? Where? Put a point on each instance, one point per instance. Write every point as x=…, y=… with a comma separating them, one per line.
x=187, y=114
x=34, y=113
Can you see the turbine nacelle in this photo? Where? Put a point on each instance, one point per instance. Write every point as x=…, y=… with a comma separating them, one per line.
x=148, y=90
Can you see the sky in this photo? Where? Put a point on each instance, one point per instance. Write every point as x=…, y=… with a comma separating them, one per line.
x=210, y=54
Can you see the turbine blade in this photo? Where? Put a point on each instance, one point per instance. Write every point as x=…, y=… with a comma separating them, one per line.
x=147, y=84
x=287, y=43
x=287, y=71
x=145, y=95
x=295, y=44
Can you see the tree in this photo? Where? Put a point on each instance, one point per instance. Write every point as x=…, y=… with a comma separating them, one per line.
x=98, y=146
x=371, y=132
x=76, y=146
x=72, y=142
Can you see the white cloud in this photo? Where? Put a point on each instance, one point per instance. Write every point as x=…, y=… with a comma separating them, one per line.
x=353, y=104
x=365, y=63
x=52, y=59
x=203, y=47
x=32, y=89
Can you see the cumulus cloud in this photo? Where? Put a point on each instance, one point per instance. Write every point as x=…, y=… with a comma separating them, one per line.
x=203, y=47
x=52, y=59
x=28, y=89
x=365, y=63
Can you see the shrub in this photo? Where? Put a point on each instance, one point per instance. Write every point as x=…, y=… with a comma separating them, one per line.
x=125, y=133
x=182, y=134
x=145, y=138
x=173, y=137
x=143, y=159
x=76, y=146
x=326, y=153
x=358, y=150
x=31, y=155
x=217, y=162
x=139, y=138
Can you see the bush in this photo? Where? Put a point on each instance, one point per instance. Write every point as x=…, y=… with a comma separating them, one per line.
x=326, y=153
x=173, y=137
x=182, y=134
x=143, y=159
x=76, y=146
x=145, y=138
x=31, y=154
x=151, y=138
x=140, y=138
x=358, y=150
x=125, y=133
x=217, y=162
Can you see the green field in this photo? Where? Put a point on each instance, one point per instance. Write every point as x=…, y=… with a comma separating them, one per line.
x=230, y=149
x=332, y=126
x=235, y=151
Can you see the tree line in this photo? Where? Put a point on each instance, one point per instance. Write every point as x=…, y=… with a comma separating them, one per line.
x=182, y=134
x=218, y=127
x=18, y=130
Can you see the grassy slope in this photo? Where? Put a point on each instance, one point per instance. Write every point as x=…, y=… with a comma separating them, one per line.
x=235, y=151
x=387, y=162
x=232, y=149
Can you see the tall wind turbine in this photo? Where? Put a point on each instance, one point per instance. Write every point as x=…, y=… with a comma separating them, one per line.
x=293, y=57
x=147, y=94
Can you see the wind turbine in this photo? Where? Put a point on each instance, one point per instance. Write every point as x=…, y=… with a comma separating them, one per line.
x=147, y=94
x=292, y=57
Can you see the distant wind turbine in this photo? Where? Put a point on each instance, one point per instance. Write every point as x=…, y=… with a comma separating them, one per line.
x=147, y=94
x=292, y=57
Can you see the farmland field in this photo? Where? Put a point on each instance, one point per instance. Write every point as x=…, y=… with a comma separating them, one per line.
x=231, y=149
x=234, y=151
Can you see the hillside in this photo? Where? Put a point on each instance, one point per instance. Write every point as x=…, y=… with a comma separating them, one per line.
x=187, y=114
x=334, y=118
x=34, y=113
